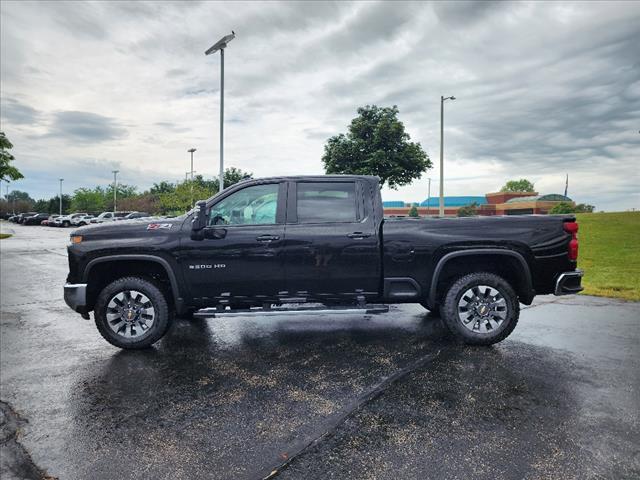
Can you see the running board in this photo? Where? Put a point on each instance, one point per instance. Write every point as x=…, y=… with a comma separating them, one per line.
x=265, y=312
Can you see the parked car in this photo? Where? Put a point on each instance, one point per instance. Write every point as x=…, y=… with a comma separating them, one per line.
x=81, y=221
x=13, y=218
x=49, y=220
x=35, y=219
x=109, y=217
x=22, y=216
x=319, y=239
x=65, y=220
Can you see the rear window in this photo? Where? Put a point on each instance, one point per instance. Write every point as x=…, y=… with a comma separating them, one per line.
x=326, y=202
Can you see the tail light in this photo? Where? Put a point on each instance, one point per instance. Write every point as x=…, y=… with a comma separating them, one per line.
x=572, y=228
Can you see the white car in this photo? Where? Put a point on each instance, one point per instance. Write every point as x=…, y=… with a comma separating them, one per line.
x=81, y=221
x=65, y=220
x=109, y=217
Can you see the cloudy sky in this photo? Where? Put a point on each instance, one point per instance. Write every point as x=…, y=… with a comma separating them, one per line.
x=542, y=89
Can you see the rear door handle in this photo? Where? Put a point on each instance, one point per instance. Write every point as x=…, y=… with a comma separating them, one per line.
x=267, y=238
x=358, y=235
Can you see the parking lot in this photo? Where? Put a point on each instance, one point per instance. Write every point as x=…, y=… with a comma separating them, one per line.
x=387, y=396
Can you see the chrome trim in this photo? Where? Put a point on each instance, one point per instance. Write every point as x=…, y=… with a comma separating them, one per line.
x=75, y=295
x=563, y=278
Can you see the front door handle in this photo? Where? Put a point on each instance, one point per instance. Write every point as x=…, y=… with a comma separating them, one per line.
x=267, y=238
x=358, y=235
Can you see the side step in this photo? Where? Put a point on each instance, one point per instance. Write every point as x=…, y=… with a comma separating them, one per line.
x=290, y=310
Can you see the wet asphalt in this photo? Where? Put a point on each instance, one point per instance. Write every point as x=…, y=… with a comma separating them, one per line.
x=385, y=396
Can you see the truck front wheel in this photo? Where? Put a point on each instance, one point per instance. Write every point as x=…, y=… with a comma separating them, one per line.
x=132, y=313
x=480, y=308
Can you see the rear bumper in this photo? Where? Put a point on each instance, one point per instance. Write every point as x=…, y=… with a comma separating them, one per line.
x=75, y=295
x=569, y=283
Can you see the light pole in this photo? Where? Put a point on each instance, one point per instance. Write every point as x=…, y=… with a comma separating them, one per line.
x=191, y=150
x=61, y=180
x=442, y=100
x=115, y=190
x=429, y=196
x=221, y=45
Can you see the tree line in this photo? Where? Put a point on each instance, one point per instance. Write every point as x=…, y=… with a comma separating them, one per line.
x=163, y=198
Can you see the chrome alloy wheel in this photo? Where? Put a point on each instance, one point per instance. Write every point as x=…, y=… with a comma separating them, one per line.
x=130, y=314
x=482, y=309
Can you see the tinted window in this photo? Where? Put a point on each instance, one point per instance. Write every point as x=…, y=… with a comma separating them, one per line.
x=326, y=202
x=250, y=206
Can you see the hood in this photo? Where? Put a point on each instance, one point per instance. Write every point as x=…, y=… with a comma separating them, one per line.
x=127, y=229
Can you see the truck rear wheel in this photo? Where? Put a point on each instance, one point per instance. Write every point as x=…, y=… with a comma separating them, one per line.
x=132, y=313
x=481, y=308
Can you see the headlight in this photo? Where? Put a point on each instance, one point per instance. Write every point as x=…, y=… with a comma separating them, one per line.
x=76, y=239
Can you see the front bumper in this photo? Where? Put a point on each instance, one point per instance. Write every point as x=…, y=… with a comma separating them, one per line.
x=75, y=295
x=569, y=283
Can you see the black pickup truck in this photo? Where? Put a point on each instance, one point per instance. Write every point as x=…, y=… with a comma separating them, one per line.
x=315, y=244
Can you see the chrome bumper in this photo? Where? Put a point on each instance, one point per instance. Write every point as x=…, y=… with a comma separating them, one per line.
x=75, y=295
x=569, y=283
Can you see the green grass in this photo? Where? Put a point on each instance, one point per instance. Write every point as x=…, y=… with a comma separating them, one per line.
x=610, y=254
x=4, y=235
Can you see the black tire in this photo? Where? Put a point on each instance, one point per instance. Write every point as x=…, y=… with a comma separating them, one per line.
x=161, y=320
x=450, y=309
x=66, y=224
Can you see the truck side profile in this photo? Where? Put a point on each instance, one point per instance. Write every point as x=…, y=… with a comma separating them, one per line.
x=309, y=240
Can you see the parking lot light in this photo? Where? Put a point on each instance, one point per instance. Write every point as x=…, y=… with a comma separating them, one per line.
x=221, y=45
x=61, y=180
x=442, y=100
x=115, y=190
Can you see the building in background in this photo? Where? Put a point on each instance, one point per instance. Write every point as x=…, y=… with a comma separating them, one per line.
x=499, y=203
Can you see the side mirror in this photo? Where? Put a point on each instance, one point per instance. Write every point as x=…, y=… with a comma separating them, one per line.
x=215, y=233
x=200, y=218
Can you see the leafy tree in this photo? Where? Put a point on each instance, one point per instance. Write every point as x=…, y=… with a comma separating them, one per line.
x=376, y=144
x=162, y=187
x=89, y=200
x=522, y=185
x=41, y=206
x=563, y=207
x=146, y=202
x=468, y=210
x=584, y=208
x=7, y=171
x=180, y=199
x=17, y=196
x=54, y=204
x=413, y=212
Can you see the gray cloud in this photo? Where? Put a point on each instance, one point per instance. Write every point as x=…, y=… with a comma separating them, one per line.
x=18, y=113
x=85, y=127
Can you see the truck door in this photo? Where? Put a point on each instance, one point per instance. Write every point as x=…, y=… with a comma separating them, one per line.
x=332, y=247
x=240, y=258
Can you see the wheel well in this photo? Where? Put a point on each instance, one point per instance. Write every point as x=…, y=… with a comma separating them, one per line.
x=506, y=266
x=102, y=274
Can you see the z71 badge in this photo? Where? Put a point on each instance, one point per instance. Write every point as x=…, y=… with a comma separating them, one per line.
x=158, y=226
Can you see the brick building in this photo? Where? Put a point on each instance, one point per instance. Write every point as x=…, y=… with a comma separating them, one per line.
x=499, y=203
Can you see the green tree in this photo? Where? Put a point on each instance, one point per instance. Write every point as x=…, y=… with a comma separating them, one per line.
x=413, y=212
x=584, y=208
x=18, y=196
x=179, y=201
x=522, y=185
x=468, y=210
x=41, y=206
x=376, y=144
x=88, y=200
x=54, y=204
x=162, y=187
x=7, y=171
x=563, y=207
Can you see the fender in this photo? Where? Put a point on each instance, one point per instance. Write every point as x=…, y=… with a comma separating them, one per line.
x=479, y=251
x=179, y=302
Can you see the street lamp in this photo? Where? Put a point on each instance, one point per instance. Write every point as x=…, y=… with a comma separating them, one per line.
x=429, y=196
x=115, y=190
x=442, y=100
x=191, y=150
x=221, y=45
x=61, y=180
